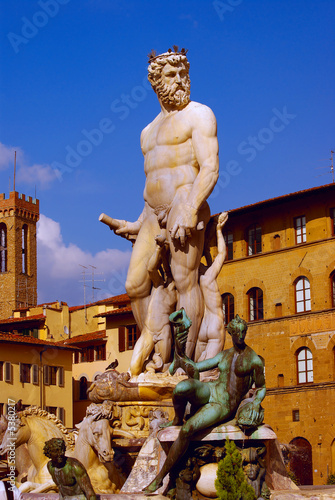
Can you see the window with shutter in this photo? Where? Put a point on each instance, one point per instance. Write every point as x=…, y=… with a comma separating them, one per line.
x=53, y=375
x=61, y=376
x=8, y=372
x=46, y=375
x=25, y=373
x=122, y=343
x=61, y=415
x=35, y=374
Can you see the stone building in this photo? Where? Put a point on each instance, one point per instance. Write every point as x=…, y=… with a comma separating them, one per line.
x=280, y=277
x=18, y=261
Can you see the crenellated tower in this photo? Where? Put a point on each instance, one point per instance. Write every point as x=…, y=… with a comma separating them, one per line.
x=18, y=252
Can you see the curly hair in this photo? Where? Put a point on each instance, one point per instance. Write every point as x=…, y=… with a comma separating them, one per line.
x=156, y=66
x=237, y=324
x=54, y=444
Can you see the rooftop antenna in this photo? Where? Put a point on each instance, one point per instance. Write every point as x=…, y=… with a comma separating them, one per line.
x=83, y=280
x=14, y=168
x=94, y=287
x=331, y=166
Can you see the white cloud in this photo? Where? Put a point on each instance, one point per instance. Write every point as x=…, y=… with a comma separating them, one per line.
x=7, y=156
x=36, y=174
x=41, y=175
x=59, y=271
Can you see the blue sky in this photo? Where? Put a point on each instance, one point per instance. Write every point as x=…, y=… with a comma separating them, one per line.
x=72, y=67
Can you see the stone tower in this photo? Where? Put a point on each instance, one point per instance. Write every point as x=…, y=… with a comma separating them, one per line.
x=18, y=259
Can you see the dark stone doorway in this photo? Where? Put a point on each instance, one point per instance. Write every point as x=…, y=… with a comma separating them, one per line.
x=301, y=460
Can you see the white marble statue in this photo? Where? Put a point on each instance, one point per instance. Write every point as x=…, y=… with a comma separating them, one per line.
x=181, y=165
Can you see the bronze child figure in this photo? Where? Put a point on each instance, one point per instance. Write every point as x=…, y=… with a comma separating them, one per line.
x=68, y=473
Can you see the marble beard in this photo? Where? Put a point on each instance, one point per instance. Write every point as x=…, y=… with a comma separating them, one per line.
x=181, y=165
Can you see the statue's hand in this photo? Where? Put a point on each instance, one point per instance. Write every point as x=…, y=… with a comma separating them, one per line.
x=128, y=228
x=222, y=219
x=250, y=414
x=185, y=222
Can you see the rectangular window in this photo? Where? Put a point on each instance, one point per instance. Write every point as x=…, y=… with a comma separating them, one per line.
x=35, y=374
x=61, y=376
x=8, y=372
x=295, y=416
x=52, y=410
x=1, y=371
x=24, y=248
x=83, y=356
x=100, y=352
x=90, y=354
x=25, y=373
x=229, y=241
x=332, y=218
x=61, y=415
x=46, y=375
x=53, y=375
x=300, y=229
x=132, y=336
x=76, y=357
x=254, y=240
x=122, y=343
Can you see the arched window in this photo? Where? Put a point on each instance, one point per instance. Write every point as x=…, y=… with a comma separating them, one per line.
x=24, y=248
x=3, y=248
x=83, y=388
x=302, y=295
x=254, y=239
x=305, y=366
x=255, y=296
x=332, y=288
x=228, y=307
x=229, y=241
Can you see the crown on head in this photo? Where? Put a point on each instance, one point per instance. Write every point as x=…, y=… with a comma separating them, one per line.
x=153, y=54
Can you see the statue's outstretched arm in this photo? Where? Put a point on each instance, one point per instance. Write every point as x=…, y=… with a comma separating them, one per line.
x=126, y=229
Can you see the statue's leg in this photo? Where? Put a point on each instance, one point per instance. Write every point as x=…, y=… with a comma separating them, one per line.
x=138, y=284
x=208, y=415
x=185, y=263
x=142, y=350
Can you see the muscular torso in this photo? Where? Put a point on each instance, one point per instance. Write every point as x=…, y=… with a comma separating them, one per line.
x=236, y=371
x=170, y=163
x=65, y=478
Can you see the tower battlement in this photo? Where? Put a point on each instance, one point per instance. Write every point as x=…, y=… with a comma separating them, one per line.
x=20, y=205
x=18, y=253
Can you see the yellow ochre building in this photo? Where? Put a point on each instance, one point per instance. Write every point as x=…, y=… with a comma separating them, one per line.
x=279, y=276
